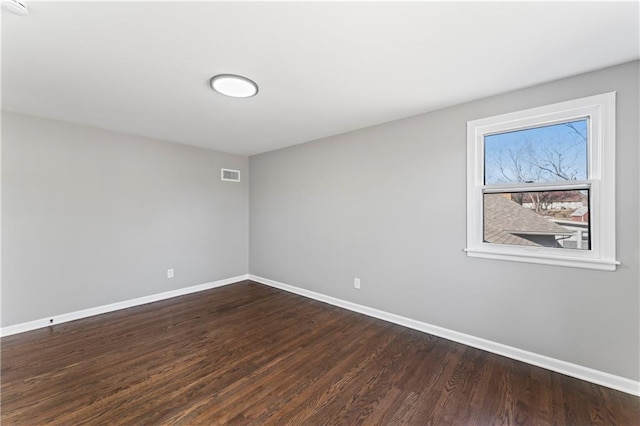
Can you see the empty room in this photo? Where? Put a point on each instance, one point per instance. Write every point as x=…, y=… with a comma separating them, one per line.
x=313, y=213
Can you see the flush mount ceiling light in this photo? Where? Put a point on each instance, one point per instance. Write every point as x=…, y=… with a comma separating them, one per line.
x=233, y=85
x=15, y=7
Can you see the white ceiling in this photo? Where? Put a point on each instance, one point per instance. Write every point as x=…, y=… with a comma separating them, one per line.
x=323, y=68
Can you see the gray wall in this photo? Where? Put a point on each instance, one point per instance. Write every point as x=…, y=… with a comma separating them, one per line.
x=387, y=204
x=92, y=217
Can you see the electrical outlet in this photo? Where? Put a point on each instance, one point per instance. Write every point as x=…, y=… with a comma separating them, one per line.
x=356, y=283
x=170, y=273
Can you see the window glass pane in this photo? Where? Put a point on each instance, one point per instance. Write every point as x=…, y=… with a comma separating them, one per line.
x=541, y=219
x=541, y=154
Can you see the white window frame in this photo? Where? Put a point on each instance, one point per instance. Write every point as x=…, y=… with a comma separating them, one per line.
x=600, y=112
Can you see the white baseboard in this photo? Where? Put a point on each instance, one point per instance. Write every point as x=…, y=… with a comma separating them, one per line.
x=574, y=370
x=71, y=316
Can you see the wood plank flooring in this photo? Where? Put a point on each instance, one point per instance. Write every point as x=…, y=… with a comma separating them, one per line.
x=251, y=354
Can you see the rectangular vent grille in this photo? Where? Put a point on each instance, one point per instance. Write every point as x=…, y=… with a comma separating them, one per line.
x=230, y=175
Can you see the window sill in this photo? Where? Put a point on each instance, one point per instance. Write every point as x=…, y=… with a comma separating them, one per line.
x=572, y=262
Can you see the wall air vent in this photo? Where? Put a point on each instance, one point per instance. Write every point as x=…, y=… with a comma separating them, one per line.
x=230, y=175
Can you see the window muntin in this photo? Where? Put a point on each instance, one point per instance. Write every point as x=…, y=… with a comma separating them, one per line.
x=592, y=173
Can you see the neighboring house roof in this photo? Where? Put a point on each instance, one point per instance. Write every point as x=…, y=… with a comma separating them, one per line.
x=580, y=211
x=506, y=220
x=495, y=235
x=566, y=196
x=560, y=197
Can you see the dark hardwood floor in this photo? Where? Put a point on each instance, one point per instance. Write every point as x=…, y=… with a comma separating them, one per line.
x=250, y=354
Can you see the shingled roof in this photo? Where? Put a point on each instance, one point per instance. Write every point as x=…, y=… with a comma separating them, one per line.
x=580, y=211
x=505, y=222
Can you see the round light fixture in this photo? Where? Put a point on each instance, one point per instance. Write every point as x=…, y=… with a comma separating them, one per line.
x=233, y=85
x=15, y=7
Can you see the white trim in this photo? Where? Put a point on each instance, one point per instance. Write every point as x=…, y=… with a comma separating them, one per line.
x=541, y=186
x=72, y=316
x=600, y=109
x=574, y=370
x=596, y=264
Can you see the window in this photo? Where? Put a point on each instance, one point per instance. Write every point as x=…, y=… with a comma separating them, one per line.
x=541, y=185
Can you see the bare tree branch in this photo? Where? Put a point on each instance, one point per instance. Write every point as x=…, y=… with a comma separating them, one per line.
x=573, y=127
